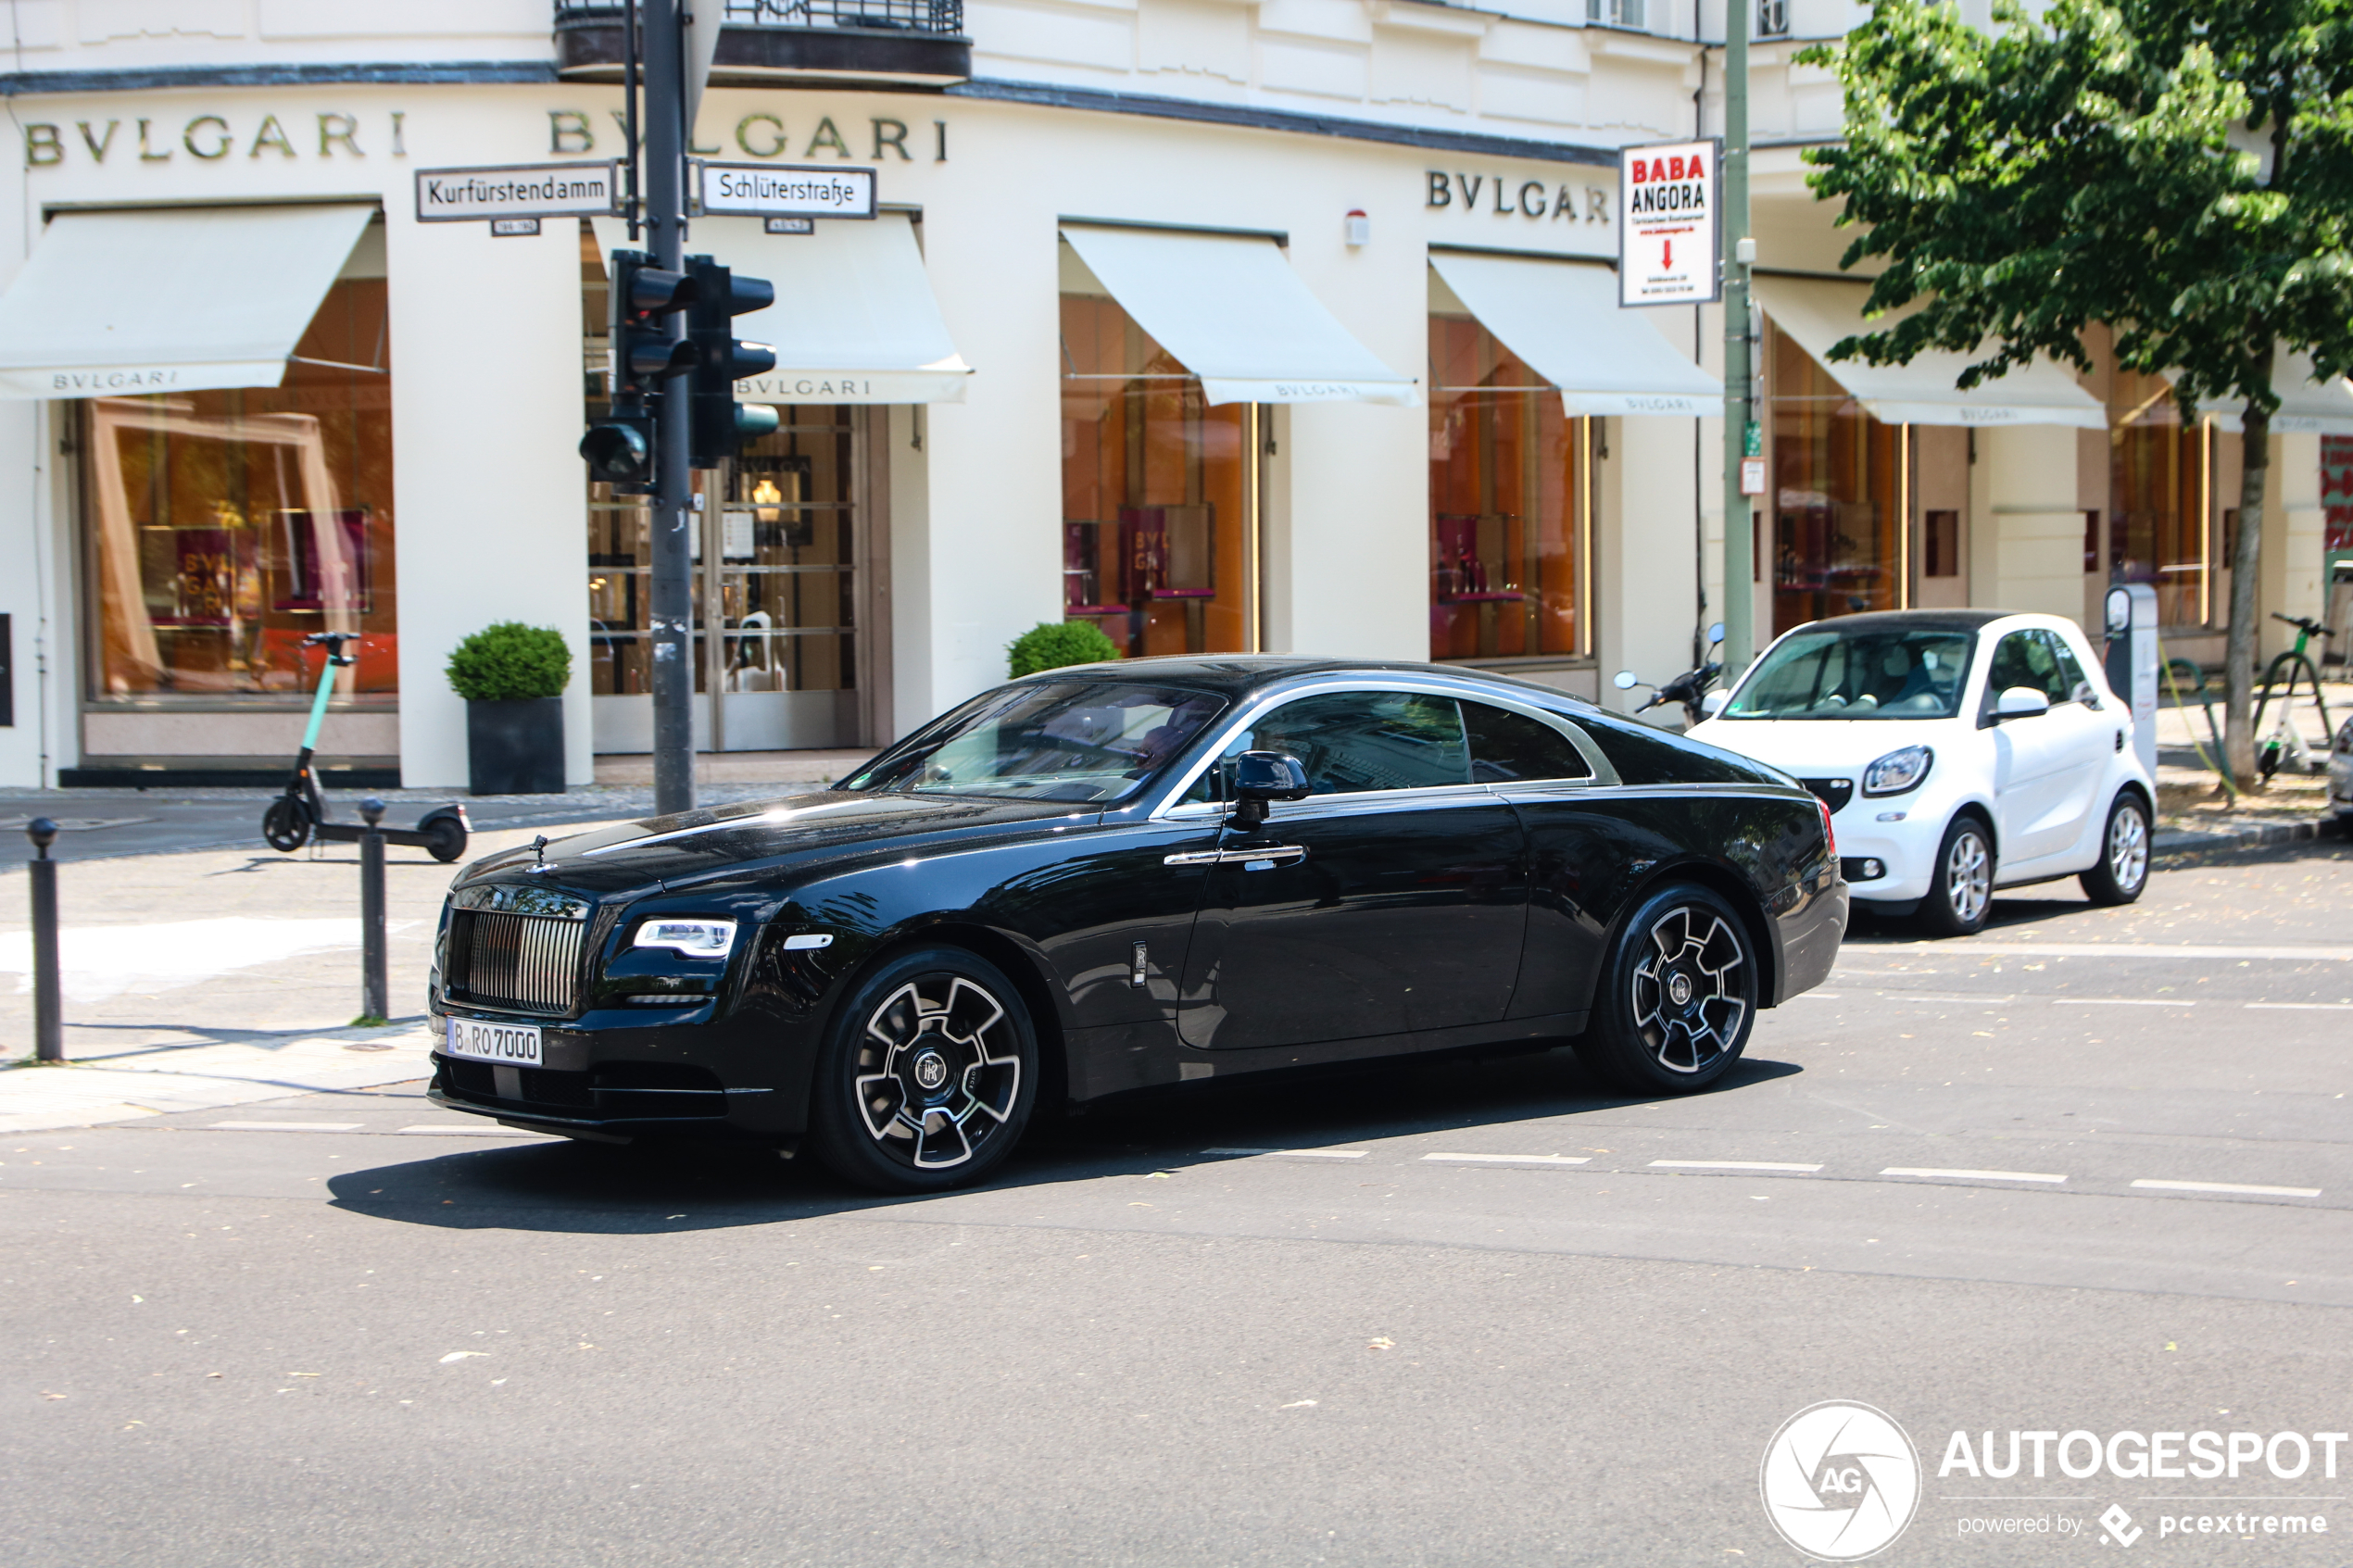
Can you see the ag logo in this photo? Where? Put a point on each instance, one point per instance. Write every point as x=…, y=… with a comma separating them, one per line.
x=1840, y=1481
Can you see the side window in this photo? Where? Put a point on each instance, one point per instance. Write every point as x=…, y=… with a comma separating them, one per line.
x=1354, y=741
x=2071, y=685
x=1507, y=747
x=2024, y=659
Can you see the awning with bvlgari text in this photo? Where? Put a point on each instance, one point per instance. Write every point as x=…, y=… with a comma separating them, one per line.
x=1232, y=311
x=1817, y=312
x=854, y=321
x=1563, y=319
x=168, y=299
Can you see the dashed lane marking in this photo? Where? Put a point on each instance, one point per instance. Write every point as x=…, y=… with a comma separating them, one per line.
x=2126, y=1001
x=1971, y=1176
x=2303, y=1006
x=469, y=1130
x=1293, y=1153
x=2160, y=950
x=1507, y=1159
x=286, y=1126
x=1731, y=1165
x=2230, y=1186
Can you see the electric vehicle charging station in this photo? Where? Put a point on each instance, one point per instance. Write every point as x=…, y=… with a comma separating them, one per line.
x=2132, y=661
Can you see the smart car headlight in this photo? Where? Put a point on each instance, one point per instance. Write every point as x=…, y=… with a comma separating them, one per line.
x=1898, y=771
x=687, y=938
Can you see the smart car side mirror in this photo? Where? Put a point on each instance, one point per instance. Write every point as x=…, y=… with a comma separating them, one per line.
x=2021, y=702
x=1625, y=679
x=1260, y=777
x=1713, y=703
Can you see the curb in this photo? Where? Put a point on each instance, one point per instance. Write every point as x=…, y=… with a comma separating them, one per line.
x=2183, y=841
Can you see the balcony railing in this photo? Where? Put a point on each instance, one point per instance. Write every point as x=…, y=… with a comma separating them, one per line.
x=945, y=18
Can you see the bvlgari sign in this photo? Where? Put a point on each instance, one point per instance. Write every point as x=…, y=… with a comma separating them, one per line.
x=532, y=190
x=1667, y=241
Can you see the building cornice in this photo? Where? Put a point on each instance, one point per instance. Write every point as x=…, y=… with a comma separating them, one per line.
x=25, y=83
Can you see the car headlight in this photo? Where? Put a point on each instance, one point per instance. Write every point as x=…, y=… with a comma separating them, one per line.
x=687, y=938
x=1898, y=771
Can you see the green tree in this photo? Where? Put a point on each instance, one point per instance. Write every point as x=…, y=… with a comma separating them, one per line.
x=2179, y=172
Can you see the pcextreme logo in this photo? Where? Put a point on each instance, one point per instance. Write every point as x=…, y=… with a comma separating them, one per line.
x=1840, y=1481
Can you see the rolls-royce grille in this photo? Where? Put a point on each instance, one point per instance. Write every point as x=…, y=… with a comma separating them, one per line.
x=528, y=962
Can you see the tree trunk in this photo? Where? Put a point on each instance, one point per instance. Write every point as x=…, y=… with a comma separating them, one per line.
x=2238, y=660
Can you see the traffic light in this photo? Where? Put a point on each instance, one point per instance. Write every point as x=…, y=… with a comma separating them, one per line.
x=619, y=448
x=722, y=425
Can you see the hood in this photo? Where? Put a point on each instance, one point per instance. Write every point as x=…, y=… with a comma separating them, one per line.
x=666, y=851
x=1824, y=748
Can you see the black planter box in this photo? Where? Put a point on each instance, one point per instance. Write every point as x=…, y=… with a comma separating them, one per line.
x=515, y=747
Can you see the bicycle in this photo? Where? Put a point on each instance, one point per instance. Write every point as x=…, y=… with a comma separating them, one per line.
x=2286, y=739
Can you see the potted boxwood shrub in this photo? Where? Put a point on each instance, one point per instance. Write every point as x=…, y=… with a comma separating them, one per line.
x=1055, y=645
x=512, y=677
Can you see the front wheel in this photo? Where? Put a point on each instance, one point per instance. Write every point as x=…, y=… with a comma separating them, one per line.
x=445, y=839
x=2123, y=867
x=285, y=826
x=1677, y=996
x=927, y=1077
x=1960, y=891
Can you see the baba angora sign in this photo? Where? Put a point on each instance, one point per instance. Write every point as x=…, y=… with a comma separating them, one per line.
x=1668, y=197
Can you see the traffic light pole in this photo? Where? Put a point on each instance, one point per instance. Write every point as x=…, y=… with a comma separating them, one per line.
x=673, y=598
x=1740, y=569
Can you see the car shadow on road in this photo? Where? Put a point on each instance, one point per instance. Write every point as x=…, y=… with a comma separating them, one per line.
x=654, y=1189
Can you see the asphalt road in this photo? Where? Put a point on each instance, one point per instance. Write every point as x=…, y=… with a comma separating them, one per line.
x=2090, y=1172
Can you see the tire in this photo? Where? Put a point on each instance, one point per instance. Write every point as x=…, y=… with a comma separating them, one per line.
x=285, y=826
x=445, y=839
x=927, y=1076
x=2123, y=867
x=1961, y=889
x=1677, y=996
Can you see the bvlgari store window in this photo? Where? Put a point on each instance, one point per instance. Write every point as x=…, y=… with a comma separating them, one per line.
x=1160, y=499
x=1837, y=495
x=2160, y=522
x=223, y=527
x=1508, y=513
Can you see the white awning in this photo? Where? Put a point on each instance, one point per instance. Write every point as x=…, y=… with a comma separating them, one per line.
x=1232, y=311
x=1817, y=312
x=2307, y=407
x=171, y=299
x=1563, y=319
x=855, y=319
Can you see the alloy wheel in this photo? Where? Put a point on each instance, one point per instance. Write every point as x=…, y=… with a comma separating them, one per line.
x=939, y=1072
x=1968, y=878
x=1688, y=990
x=2128, y=849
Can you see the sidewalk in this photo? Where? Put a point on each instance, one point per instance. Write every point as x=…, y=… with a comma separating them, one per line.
x=216, y=978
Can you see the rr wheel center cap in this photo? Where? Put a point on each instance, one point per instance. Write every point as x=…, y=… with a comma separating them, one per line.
x=931, y=1069
x=1679, y=990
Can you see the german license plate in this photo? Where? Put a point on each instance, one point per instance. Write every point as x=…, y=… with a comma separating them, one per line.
x=511, y=1045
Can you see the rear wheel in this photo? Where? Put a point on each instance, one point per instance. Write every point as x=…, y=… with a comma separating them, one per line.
x=2123, y=867
x=1960, y=892
x=1677, y=996
x=928, y=1075
x=285, y=826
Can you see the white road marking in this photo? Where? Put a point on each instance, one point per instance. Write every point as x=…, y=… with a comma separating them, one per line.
x=1508, y=1158
x=2230, y=1186
x=2126, y=1001
x=287, y=1126
x=1971, y=1176
x=469, y=1130
x=1990, y=1000
x=1295, y=1153
x=1820, y=996
x=1964, y=947
x=1728, y=1165
x=2304, y=1007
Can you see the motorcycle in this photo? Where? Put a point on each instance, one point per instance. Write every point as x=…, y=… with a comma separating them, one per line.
x=1690, y=688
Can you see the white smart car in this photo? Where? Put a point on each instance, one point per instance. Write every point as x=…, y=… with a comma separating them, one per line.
x=1958, y=751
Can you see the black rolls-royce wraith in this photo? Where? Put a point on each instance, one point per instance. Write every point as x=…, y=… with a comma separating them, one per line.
x=1108, y=878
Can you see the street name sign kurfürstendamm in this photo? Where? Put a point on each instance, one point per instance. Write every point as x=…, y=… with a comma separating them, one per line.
x=540, y=190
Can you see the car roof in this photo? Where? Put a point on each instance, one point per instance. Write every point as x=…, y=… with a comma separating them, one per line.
x=1918, y=620
x=1238, y=675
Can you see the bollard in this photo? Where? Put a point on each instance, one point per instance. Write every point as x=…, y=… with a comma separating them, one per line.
x=48, y=1020
x=376, y=990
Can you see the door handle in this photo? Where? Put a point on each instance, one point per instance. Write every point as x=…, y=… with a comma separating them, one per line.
x=1265, y=858
x=1190, y=857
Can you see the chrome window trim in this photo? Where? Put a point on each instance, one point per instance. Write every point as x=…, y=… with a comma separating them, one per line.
x=1173, y=807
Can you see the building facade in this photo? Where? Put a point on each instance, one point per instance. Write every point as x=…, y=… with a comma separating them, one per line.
x=1224, y=325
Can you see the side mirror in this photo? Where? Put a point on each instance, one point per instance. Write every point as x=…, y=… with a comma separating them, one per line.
x=1713, y=703
x=1625, y=679
x=1260, y=777
x=1714, y=633
x=2021, y=702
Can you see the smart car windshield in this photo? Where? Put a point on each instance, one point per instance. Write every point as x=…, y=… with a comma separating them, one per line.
x=1877, y=673
x=1092, y=742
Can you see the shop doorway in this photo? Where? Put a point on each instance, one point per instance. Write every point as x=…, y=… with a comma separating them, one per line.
x=788, y=618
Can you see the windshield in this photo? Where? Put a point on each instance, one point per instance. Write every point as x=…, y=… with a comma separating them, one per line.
x=1879, y=674
x=1092, y=742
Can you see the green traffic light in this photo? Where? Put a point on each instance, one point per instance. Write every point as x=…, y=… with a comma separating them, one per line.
x=754, y=421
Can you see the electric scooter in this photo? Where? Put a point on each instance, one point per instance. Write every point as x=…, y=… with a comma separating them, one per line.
x=299, y=814
x=1690, y=688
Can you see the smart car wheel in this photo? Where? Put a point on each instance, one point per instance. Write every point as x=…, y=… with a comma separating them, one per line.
x=1961, y=890
x=1677, y=996
x=2124, y=866
x=928, y=1075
